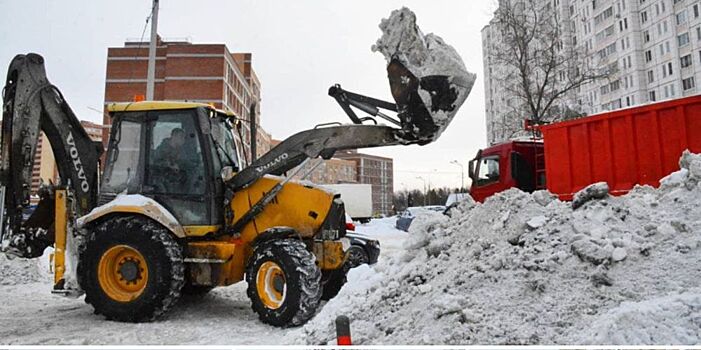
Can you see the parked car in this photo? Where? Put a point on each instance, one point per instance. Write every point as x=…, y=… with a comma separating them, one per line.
x=405, y=218
x=363, y=249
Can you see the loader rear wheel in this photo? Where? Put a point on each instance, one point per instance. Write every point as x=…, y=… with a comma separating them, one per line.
x=284, y=283
x=132, y=269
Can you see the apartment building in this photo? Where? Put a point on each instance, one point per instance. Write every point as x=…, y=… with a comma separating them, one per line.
x=377, y=171
x=207, y=73
x=651, y=50
x=330, y=171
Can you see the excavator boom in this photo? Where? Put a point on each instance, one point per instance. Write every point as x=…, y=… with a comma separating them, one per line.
x=32, y=104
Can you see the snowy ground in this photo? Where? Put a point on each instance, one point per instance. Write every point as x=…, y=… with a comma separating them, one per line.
x=30, y=314
x=529, y=269
x=519, y=269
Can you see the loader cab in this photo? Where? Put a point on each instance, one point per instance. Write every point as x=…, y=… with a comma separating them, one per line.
x=174, y=153
x=516, y=164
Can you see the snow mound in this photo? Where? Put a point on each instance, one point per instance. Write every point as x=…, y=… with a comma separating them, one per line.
x=673, y=319
x=528, y=269
x=14, y=270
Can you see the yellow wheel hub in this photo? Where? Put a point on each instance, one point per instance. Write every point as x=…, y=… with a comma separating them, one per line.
x=271, y=285
x=122, y=273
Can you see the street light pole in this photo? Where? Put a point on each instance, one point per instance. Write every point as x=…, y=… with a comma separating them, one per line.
x=462, y=174
x=425, y=193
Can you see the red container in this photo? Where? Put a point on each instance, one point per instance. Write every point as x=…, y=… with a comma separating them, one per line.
x=623, y=148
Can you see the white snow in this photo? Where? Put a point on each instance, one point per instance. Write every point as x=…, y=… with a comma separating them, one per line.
x=617, y=270
x=424, y=55
x=224, y=316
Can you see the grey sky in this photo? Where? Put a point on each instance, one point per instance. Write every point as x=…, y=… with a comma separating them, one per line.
x=300, y=48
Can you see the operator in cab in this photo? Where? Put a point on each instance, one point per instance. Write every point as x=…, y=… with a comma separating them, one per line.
x=168, y=161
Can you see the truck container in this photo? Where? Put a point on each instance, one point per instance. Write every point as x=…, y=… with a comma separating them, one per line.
x=623, y=148
x=357, y=199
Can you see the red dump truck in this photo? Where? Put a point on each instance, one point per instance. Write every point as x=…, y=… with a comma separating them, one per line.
x=638, y=145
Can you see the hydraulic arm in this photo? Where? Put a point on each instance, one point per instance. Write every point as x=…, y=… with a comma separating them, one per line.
x=32, y=104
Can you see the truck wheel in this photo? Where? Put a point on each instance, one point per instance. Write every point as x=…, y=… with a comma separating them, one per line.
x=132, y=269
x=284, y=283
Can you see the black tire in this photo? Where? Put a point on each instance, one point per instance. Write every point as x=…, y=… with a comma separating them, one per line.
x=335, y=279
x=301, y=282
x=163, y=259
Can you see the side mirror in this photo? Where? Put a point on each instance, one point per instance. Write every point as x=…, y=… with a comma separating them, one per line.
x=227, y=173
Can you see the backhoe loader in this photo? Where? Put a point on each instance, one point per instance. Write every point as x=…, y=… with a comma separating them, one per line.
x=175, y=209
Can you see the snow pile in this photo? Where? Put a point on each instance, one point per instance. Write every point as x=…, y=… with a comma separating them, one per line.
x=425, y=56
x=14, y=270
x=528, y=269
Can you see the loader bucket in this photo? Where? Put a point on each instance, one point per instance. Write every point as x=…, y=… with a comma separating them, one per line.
x=428, y=78
x=427, y=105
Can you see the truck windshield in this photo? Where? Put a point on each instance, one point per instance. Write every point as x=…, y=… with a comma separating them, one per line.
x=488, y=170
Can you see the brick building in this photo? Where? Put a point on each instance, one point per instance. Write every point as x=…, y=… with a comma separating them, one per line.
x=207, y=73
x=377, y=171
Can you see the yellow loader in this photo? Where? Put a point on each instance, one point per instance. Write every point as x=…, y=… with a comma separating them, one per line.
x=176, y=210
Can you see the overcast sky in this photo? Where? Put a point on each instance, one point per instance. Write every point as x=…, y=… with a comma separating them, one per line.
x=300, y=48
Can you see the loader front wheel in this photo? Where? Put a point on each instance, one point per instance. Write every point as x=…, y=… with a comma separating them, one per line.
x=132, y=269
x=284, y=283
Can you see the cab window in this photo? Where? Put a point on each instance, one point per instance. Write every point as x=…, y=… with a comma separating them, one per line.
x=175, y=164
x=123, y=160
x=488, y=171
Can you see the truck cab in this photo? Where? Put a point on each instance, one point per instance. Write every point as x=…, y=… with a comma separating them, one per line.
x=517, y=164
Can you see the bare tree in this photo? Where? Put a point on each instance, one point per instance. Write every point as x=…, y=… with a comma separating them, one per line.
x=542, y=64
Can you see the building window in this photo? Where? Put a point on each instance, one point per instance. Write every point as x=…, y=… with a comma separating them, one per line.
x=683, y=39
x=650, y=76
x=643, y=17
x=646, y=36
x=681, y=17
x=652, y=96
x=648, y=56
x=688, y=83
x=686, y=61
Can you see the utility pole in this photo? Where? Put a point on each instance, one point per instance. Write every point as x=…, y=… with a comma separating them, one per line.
x=151, y=74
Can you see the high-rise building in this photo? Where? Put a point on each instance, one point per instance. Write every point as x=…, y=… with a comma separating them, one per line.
x=651, y=50
x=207, y=73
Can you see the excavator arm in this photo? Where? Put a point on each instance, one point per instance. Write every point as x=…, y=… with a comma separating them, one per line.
x=32, y=104
x=415, y=123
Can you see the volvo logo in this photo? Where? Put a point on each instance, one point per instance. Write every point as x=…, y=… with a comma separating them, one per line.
x=263, y=168
x=77, y=164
